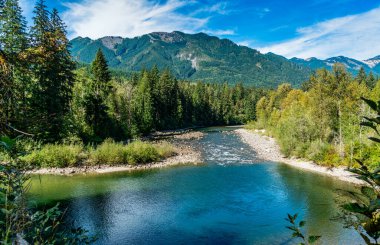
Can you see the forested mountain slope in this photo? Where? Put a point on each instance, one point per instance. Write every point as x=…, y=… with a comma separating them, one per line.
x=193, y=57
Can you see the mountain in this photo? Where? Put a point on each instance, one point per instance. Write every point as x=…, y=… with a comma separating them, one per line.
x=374, y=64
x=193, y=57
x=352, y=65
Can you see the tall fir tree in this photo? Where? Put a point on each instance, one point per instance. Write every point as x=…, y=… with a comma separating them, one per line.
x=53, y=74
x=101, y=73
x=13, y=43
x=143, y=107
x=96, y=95
x=362, y=76
x=371, y=80
x=13, y=29
x=42, y=26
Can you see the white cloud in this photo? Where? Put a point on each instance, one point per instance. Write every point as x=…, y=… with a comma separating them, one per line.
x=354, y=36
x=220, y=32
x=128, y=18
x=246, y=43
x=220, y=8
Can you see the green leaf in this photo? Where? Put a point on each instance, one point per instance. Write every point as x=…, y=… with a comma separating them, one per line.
x=370, y=103
x=377, y=140
x=370, y=125
x=313, y=239
x=354, y=208
x=369, y=192
x=302, y=224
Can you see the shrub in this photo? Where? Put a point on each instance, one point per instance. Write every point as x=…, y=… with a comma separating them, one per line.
x=141, y=152
x=165, y=149
x=109, y=152
x=317, y=151
x=54, y=155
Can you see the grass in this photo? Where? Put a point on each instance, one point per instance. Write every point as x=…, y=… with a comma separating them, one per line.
x=107, y=153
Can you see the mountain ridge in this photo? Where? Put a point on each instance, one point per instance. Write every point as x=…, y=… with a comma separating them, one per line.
x=352, y=65
x=208, y=58
x=193, y=57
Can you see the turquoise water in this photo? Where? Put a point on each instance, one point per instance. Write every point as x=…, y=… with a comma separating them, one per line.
x=234, y=198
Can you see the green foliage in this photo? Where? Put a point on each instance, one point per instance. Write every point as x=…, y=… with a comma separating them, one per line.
x=52, y=73
x=362, y=212
x=55, y=155
x=296, y=228
x=165, y=149
x=109, y=153
x=141, y=152
x=322, y=122
x=138, y=152
x=49, y=228
x=19, y=224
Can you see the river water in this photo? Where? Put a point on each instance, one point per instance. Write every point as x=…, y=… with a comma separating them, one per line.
x=234, y=198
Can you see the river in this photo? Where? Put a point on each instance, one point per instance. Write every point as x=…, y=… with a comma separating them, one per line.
x=234, y=198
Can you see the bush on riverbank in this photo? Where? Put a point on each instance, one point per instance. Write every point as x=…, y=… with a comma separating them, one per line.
x=56, y=155
x=107, y=153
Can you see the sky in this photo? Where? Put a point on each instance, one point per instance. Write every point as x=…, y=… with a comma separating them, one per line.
x=292, y=28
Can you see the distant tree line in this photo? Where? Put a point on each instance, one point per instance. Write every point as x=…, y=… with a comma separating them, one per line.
x=153, y=100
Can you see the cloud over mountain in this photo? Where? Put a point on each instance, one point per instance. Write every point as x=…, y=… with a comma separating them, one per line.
x=354, y=36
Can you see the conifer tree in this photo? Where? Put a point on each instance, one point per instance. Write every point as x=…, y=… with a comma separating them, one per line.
x=371, y=80
x=42, y=26
x=97, y=93
x=13, y=28
x=362, y=76
x=143, y=106
x=101, y=73
x=13, y=43
x=53, y=73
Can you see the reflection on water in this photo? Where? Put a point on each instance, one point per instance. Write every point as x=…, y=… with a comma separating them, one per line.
x=235, y=198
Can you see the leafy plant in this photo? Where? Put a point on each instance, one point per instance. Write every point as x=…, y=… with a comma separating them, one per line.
x=55, y=155
x=296, y=228
x=363, y=212
x=19, y=224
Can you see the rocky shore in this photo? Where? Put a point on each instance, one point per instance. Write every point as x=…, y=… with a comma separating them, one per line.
x=184, y=155
x=268, y=149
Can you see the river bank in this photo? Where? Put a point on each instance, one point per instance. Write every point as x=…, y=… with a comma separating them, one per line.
x=268, y=149
x=184, y=155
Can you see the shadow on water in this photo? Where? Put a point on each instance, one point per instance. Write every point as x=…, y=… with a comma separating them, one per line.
x=234, y=199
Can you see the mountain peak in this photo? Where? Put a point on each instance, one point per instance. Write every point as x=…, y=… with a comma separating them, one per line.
x=172, y=37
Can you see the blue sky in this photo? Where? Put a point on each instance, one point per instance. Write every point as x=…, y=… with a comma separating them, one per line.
x=301, y=28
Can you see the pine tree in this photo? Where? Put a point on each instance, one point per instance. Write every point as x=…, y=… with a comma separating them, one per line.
x=371, y=80
x=42, y=26
x=102, y=75
x=13, y=43
x=97, y=93
x=13, y=28
x=53, y=73
x=362, y=76
x=143, y=106
x=63, y=63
